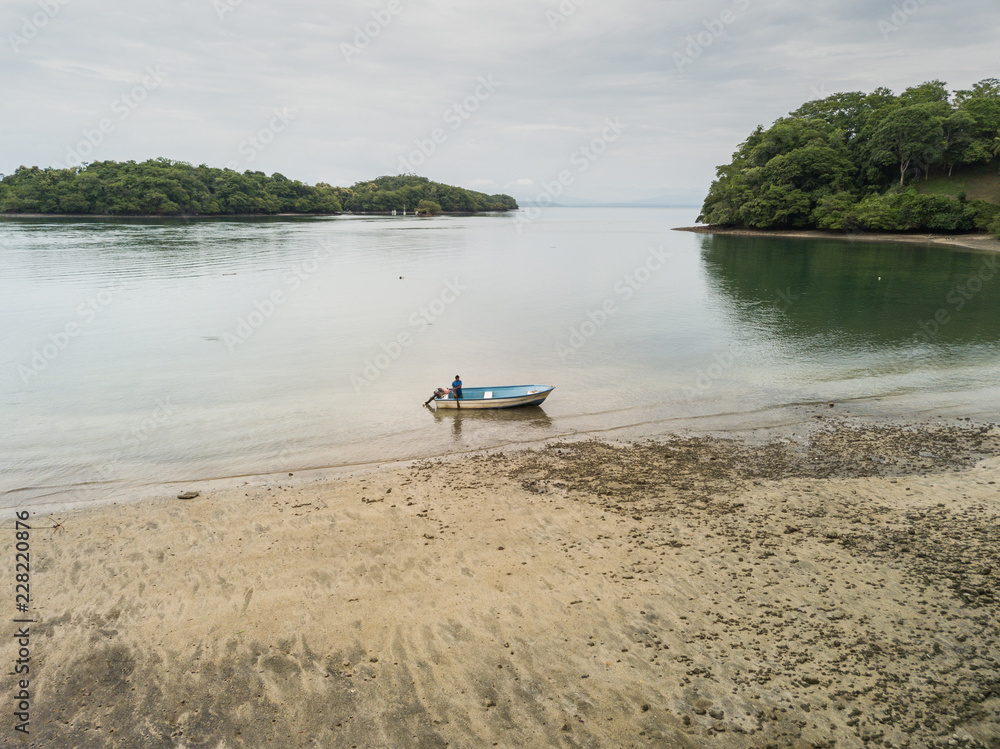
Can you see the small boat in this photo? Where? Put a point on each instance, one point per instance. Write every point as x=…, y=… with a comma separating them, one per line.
x=501, y=396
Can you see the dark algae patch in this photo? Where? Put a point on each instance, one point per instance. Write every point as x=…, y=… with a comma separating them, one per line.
x=804, y=614
x=833, y=588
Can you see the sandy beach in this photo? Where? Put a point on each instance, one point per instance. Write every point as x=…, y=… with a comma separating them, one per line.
x=981, y=242
x=837, y=588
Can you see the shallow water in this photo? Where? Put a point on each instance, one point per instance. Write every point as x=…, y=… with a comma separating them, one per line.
x=138, y=351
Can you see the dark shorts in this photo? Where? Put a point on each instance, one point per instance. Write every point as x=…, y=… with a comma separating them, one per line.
x=458, y=394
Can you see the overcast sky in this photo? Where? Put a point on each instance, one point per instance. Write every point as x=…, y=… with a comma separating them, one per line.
x=494, y=96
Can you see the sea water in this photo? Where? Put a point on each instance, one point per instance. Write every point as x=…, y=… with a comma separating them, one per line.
x=137, y=352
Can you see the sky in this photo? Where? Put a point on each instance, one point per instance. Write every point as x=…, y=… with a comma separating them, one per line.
x=573, y=100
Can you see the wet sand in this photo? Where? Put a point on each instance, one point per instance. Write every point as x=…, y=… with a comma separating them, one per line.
x=981, y=242
x=836, y=588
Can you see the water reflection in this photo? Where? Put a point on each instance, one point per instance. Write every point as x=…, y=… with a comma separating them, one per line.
x=857, y=295
x=158, y=248
x=708, y=334
x=533, y=417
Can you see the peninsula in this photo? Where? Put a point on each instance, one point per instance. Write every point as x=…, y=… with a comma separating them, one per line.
x=925, y=161
x=161, y=187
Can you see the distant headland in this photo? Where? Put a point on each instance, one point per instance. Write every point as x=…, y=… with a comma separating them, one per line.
x=161, y=187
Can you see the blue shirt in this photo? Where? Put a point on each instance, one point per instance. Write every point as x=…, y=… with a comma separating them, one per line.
x=457, y=387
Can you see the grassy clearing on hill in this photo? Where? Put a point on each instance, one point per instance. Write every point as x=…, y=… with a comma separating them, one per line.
x=978, y=183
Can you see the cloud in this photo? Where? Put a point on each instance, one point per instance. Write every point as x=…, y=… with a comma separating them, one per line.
x=565, y=66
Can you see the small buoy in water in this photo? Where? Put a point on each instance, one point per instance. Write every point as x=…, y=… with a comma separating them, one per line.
x=880, y=278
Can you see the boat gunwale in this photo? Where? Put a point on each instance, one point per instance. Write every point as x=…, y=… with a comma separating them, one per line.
x=546, y=389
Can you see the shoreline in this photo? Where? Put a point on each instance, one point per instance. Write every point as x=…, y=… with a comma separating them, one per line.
x=245, y=215
x=174, y=216
x=836, y=582
x=778, y=421
x=980, y=241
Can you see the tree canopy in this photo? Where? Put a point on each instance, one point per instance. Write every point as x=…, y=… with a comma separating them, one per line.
x=853, y=161
x=406, y=191
x=162, y=187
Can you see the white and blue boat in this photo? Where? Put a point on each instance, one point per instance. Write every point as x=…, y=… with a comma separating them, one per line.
x=500, y=396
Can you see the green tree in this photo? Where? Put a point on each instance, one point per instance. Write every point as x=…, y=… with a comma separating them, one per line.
x=833, y=162
x=959, y=141
x=931, y=92
x=428, y=208
x=981, y=104
x=907, y=210
x=165, y=187
x=778, y=176
x=909, y=135
x=831, y=211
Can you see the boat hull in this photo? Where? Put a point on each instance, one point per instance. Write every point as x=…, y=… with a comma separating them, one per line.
x=497, y=397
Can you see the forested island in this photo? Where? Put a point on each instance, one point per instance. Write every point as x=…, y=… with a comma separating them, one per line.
x=161, y=187
x=925, y=160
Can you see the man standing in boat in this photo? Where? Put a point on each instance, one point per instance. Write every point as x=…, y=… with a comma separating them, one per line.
x=456, y=388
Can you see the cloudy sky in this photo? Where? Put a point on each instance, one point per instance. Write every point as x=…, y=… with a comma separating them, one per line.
x=626, y=100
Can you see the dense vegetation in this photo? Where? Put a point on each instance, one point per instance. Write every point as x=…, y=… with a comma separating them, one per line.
x=409, y=191
x=171, y=188
x=855, y=162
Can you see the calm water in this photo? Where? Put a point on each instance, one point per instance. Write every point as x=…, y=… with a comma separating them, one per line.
x=138, y=352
